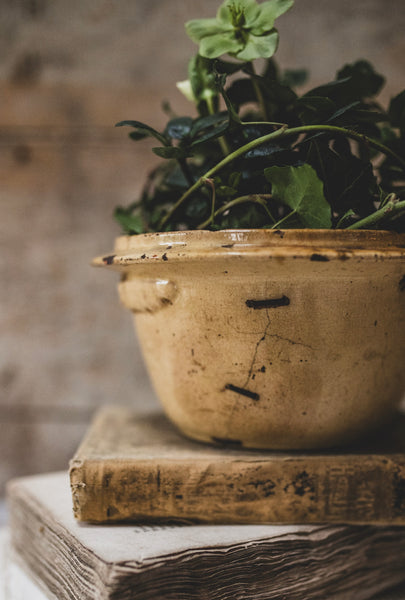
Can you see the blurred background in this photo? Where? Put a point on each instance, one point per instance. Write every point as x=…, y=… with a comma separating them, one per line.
x=68, y=72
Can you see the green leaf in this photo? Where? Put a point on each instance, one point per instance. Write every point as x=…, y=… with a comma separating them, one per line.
x=347, y=219
x=138, y=135
x=276, y=92
x=269, y=11
x=238, y=14
x=170, y=152
x=342, y=111
x=234, y=179
x=144, y=130
x=328, y=89
x=224, y=191
x=397, y=112
x=349, y=182
x=315, y=109
x=234, y=119
x=241, y=92
x=361, y=115
x=357, y=81
x=206, y=123
x=175, y=179
x=280, y=6
x=178, y=128
x=270, y=71
x=263, y=46
x=294, y=77
x=197, y=29
x=211, y=134
x=202, y=78
x=365, y=82
x=129, y=222
x=397, y=108
x=301, y=190
x=388, y=136
x=214, y=46
x=227, y=67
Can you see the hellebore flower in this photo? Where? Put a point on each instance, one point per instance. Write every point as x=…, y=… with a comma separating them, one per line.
x=243, y=29
x=186, y=89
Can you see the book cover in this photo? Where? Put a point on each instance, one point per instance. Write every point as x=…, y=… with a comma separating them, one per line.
x=132, y=467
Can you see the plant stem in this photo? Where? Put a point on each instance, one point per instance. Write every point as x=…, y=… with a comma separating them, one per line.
x=225, y=161
x=392, y=208
x=222, y=141
x=245, y=123
x=360, y=137
x=281, y=133
x=255, y=198
x=186, y=171
x=211, y=183
x=251, y=69
x=281, y=221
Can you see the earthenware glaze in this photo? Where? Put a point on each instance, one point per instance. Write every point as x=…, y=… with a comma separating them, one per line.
x=288, y=339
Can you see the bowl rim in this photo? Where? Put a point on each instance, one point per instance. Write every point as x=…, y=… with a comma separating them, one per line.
x=320, y=245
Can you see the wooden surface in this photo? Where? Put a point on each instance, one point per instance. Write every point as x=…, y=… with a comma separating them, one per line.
x=134, y=467
x=69, y=71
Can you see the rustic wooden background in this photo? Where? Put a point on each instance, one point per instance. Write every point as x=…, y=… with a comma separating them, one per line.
x=68, y=72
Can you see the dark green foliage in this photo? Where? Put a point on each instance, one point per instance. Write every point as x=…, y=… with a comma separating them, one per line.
x=331, y=157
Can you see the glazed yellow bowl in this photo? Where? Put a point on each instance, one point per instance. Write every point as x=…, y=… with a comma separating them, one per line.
x=269, y=339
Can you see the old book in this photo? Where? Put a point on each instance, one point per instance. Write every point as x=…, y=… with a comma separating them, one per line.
x=15, y=582
x=131, y=467
x=19, y=585
x=76, y=561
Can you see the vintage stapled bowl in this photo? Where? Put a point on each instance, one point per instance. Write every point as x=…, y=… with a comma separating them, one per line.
x=272, y=339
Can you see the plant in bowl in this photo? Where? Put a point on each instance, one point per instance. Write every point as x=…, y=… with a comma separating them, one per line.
x=265, y=259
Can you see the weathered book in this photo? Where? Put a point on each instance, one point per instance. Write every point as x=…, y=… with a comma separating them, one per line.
x=19, y=585
x=130, y=467
x=76, y=561
x=15, y=582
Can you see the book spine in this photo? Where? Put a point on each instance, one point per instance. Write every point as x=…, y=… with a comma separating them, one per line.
x=366, y=490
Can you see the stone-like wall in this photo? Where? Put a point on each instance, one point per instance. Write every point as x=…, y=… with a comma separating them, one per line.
x=68, y=72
